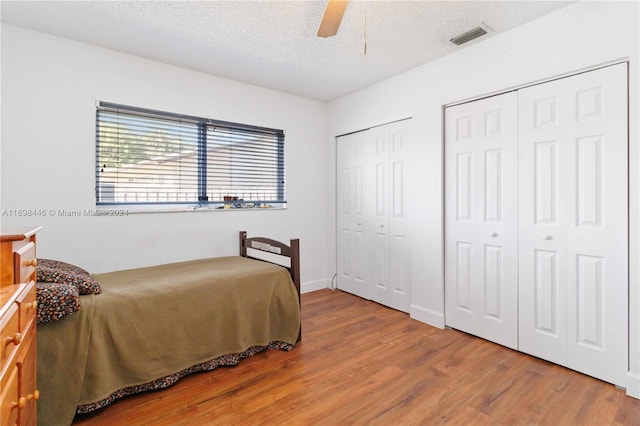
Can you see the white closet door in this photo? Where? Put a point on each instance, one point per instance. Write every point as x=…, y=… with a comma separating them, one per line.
x=379, y=141
x=481, y=234
x=353, y=234
x=391, y=250
x=400, y=224
x=542, y=224
x=461, y=308
x=573, y=222
x=374, y=255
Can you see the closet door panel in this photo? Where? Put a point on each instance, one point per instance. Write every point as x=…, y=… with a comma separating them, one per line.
x=597, y=230
x=545, y=303
x=481, y=218
x=462, y=292
x=497, y=210
x=573, y=209
x=493, y=281
x=461, y=221
x=345, y=175
x=542, y=222
x=463, y=171
x=353, y=255
x=400, y=223
x=379, y=141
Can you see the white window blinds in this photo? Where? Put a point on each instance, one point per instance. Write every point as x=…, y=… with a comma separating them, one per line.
x=152, y=157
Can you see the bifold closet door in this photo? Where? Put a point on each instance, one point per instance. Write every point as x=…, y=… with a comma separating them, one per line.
x=373, y=251
x=481, y=153
x=573, y=206
x=353, y=214
x=391, y=253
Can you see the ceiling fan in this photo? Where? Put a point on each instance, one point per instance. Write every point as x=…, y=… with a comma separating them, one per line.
x=331, y=18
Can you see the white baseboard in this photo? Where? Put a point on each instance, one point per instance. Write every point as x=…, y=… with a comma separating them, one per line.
x=427, y=316
x=309, y=286
x=633, y=385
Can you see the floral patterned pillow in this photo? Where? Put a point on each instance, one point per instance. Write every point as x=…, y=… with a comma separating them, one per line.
x=55, y=271
x=56, y=301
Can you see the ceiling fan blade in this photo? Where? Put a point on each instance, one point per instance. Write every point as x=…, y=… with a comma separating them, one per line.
x=332, y=17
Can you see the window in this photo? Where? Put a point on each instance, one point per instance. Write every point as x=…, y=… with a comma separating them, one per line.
x=146, y=157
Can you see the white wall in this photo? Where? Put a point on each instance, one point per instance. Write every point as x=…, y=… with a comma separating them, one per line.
x=577, y=37
x=50, y=86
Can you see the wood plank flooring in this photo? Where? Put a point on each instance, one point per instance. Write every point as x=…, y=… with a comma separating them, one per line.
x=362, y=363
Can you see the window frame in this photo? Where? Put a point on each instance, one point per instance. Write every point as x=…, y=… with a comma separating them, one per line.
x=275, y=137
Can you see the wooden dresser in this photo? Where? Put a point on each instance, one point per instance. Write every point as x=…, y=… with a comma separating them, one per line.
x=18, y=305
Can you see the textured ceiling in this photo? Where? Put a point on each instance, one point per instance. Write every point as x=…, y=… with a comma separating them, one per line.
x=273, y=44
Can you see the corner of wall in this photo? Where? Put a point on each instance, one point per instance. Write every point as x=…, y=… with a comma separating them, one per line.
x=310, y=286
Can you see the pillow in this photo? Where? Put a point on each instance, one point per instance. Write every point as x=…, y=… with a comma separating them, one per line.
x=55, y=271
x=56, y=301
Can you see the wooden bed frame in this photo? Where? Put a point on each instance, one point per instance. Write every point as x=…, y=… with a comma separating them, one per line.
x=278, y=253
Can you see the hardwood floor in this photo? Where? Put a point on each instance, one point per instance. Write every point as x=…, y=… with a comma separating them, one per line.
x=362, y=363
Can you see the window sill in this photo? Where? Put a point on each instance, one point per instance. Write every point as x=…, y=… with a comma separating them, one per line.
x=127, y=210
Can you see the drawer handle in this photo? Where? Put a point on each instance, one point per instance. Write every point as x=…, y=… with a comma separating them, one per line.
x=35, y=395
x=31, y=305
x=32, y=262
x=16, y=339
x=20, y=404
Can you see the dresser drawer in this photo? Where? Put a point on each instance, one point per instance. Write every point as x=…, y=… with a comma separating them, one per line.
x=10, y=335
x=9, y=398
x=25, y=262
x=28, y=306
x=27, y=372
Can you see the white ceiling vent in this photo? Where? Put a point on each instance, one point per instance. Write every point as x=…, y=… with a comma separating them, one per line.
x=472, y=34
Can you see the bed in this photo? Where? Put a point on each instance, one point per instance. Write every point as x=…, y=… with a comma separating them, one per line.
x=151, y=326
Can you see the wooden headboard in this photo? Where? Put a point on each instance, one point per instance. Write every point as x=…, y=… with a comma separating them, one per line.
x=287, y=256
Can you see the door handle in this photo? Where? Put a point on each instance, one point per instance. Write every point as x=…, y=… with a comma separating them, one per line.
x=494, y=234
x=548, y=237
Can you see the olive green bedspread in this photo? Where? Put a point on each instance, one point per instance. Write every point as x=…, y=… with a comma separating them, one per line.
x=152, y=322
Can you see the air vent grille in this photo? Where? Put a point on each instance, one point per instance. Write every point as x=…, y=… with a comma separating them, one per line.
x=468, y=36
